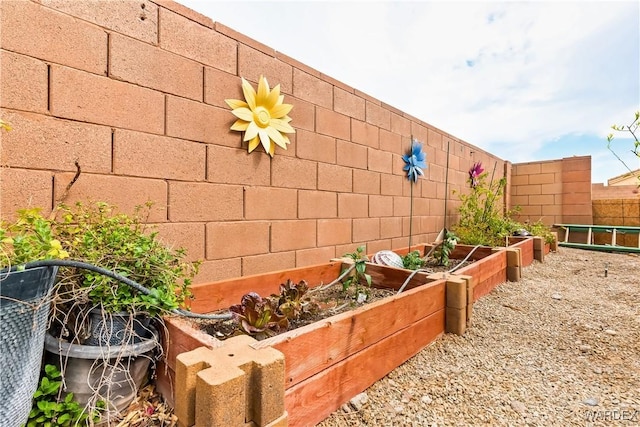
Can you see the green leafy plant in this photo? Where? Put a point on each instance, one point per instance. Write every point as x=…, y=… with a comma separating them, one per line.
x=540, y=229
x=358, y=278
x=413, y=260
x=258, y=317
x=482, y=221
x=291, y=298
x=48, y=410
x=445, y=249
x=631, y=128
x=96, y=234
x=28, y=238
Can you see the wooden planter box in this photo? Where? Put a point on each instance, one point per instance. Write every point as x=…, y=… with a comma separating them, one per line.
x=329, y=361
x=526, y=248
x=488, y=269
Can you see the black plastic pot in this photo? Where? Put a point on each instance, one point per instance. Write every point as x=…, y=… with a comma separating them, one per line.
x=120, y=328
x=24, y=314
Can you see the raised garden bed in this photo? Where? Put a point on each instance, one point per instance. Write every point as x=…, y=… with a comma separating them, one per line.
x=329, y=361
x=487, y=266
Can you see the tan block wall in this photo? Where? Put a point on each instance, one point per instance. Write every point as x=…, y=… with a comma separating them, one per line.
x=144, y=116
x=555, y=191
x=602, y=192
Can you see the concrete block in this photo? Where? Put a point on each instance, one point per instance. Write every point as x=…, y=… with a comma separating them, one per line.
x=456, y=292
x=538, y=255
x=283, y=421
x=514, y=273
x=188, y=365
x=514, y=257
x=221, y=394
x=264, y=368
x=456, y=320
x=538, y=243
x=470, y=285
x=231, y=385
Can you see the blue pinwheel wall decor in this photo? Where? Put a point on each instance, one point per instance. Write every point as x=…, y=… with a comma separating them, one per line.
x=415, y=161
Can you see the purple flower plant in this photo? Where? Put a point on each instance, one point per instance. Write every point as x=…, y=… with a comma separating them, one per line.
x=415, y=161
x=474, y=173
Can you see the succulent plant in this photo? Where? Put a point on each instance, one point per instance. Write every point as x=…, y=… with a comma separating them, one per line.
x=290, y=300
x=258, y=316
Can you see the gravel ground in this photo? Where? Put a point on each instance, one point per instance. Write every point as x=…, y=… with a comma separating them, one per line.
x=561, y=347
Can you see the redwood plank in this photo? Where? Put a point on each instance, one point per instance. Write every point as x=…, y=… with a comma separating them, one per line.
x=461, y=251
x=312, y=400
x=307, y=353
x=165, y=381
x=486, y=267
x=393, y=278
x=179, y=336
x=526, y=249
x=214, y=296
x=488, y=285
x=403, y=251
x=489, y=272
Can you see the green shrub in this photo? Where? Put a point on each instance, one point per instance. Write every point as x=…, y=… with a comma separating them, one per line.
x=482, y=220
x=540, y=229
x=96, y=234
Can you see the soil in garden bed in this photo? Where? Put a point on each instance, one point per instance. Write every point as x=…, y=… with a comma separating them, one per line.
x=321, y=303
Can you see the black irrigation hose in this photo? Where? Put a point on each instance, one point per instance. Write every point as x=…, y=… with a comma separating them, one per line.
x=118, y=277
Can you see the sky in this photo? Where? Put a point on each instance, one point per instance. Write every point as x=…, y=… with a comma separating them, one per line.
x=526, y=81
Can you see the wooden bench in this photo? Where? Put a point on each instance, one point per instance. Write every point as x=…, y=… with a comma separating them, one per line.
x=615, y=230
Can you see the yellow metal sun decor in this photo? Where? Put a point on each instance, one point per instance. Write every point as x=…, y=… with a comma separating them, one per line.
x=263, y=118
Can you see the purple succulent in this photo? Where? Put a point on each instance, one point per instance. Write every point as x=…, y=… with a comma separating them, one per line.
x=474, y=173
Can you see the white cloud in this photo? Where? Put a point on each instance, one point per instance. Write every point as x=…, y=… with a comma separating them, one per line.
x=513, y=78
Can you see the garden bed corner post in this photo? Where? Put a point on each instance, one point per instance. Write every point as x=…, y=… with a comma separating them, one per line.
x=233, y=385
x=459, y=303
x=514, y=264
x=538, y=248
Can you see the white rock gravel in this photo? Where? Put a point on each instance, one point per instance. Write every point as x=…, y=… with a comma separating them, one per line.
x=529, y=357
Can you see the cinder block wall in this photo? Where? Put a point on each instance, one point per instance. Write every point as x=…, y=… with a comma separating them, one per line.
x=133, y=91
x=600, y=192
x=555, y=191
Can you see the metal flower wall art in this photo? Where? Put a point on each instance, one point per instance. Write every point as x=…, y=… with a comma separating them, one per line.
x=474, y=173
x=415, y=163
x=263, y=117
